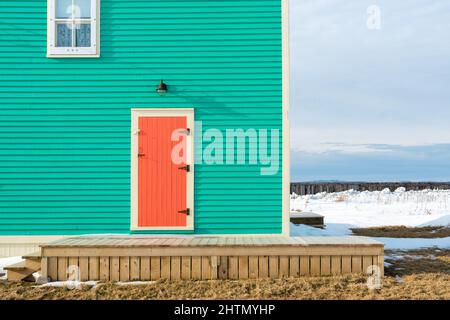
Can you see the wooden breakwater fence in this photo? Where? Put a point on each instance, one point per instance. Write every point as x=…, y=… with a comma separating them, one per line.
x=206, y=258
x=304, y=188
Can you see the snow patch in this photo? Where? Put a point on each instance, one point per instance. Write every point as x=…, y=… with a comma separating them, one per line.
x=4, y=262
x=414, y=243
x=69, y=284
x=93, y=284
x=379, y=208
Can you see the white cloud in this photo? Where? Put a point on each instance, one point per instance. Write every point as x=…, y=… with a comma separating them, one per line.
x=309, y=137
x=344, y=148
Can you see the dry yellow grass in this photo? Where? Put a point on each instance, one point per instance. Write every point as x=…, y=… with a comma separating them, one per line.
x=415, y=262
x=423, y=286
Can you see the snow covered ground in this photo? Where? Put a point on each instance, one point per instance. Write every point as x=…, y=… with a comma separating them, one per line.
x=379, y=208
x=6, y=262
x=353, y=209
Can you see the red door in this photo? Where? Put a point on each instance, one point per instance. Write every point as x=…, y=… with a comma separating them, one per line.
x=162, y=182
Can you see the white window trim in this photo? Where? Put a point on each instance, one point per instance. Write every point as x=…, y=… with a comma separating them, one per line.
x=91, y=52
x=161, y=112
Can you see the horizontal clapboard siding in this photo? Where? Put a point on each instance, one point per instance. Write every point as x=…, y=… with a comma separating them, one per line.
x=65, y=123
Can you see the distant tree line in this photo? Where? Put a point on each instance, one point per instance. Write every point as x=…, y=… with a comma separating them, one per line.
x=303, y=188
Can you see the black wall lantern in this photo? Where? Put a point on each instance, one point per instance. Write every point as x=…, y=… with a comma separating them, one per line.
x=162, y=88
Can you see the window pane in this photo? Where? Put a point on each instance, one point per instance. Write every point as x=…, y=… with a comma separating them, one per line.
x=63, y=8
x=63, y=35
x=83, y=35
x=83, y=9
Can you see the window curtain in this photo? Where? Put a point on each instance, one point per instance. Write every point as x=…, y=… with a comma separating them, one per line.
x=83, y=35
x=64, y=35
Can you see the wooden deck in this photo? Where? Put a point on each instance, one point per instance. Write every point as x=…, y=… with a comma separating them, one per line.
x=308, y=218
x=131, y=258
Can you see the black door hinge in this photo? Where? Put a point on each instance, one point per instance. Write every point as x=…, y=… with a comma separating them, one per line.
x=186, y=212
x=187, y=168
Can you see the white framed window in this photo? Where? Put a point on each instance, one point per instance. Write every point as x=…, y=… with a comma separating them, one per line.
x=73, y=28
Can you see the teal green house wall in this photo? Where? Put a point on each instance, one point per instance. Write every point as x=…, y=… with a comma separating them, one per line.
x=65, y=122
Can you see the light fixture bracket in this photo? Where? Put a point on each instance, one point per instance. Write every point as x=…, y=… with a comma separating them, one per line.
x=162, y=88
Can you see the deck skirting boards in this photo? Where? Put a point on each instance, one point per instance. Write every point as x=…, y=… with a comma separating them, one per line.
x=144, y=268
x=206, y=258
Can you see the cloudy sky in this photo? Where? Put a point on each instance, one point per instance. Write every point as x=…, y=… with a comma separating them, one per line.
x=370, y=103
